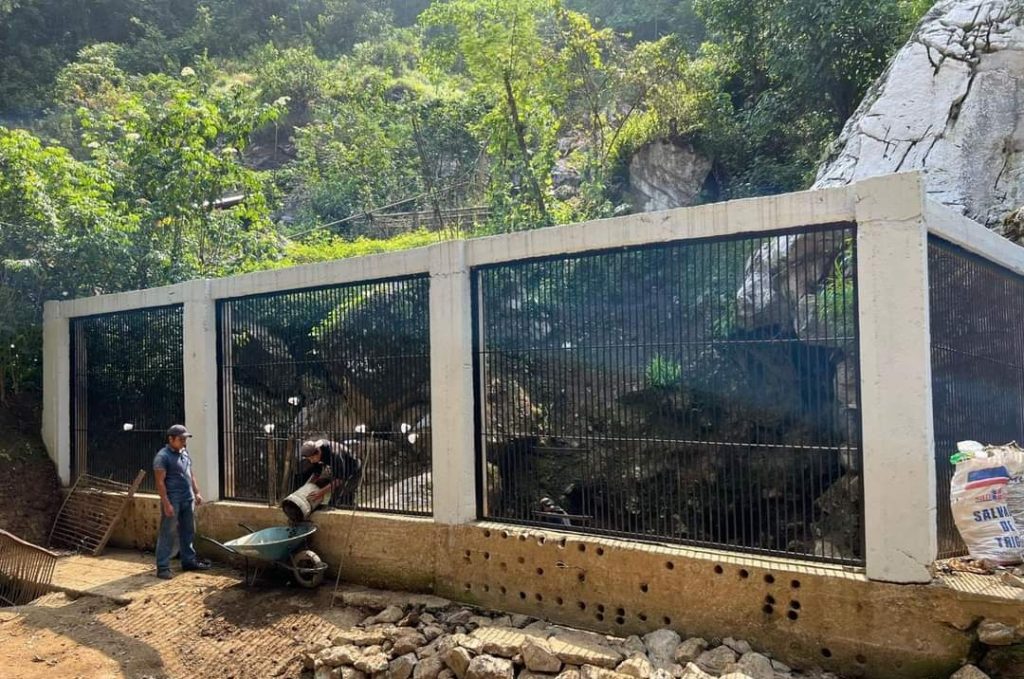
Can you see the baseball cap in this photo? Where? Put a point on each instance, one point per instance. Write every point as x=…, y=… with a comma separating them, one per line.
x=178, y=430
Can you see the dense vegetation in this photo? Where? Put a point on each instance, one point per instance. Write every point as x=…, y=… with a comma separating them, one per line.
x=128, y=121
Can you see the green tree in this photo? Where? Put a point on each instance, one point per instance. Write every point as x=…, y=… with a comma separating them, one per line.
x=499, y=47
x=60, y=236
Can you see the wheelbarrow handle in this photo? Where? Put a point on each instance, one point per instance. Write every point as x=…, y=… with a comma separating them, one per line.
x=242, y=525
x=221, y=545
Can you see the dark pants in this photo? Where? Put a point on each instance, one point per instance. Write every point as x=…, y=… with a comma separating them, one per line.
x=184, y=522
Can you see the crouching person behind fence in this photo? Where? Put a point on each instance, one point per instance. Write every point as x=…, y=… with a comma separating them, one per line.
x=334, y=470
x=178, y=490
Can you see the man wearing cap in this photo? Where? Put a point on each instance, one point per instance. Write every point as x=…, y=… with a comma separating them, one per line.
x=334, y=469
x=178, y=489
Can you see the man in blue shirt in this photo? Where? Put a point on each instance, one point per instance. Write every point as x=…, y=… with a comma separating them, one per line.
x=177, y=487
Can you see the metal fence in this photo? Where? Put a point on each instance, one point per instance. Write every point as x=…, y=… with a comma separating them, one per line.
x=348, y=363
x=977, y=338
x=701, y=392
x=127, y=386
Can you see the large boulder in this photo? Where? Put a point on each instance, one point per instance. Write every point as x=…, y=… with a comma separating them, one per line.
x=951, y=103
x=664, y=175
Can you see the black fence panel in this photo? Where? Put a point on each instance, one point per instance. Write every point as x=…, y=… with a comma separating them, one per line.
x=977, y=341
x=127, y=387
x=702, y=392
x=346, y=363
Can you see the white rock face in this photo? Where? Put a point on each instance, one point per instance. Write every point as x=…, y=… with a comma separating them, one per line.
x=663, y=175
x=951, y=103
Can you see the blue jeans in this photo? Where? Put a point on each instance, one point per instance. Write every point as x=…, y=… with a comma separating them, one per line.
x=184, y=520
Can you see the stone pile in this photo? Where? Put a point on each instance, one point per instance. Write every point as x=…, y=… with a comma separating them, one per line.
x=409, y=636
x=425, y=637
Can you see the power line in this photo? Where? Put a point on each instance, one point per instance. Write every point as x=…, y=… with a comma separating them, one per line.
x=369, y=212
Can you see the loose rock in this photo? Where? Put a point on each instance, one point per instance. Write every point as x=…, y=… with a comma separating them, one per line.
x=527, y=674
x=339, y=655
x=579, y=649
x=428, y=668
x=372, y=663
x=521, y=620
x=690, y=650
x=661, y=646
x=537, y=657
x=408, y=643
x=390, y=614
x=457, y=659
x=691, y=671
x=593, y=672
x=359, y=637
x=633, y=645
x=637, y=666
x=502, y=641
x=402, y=667
x=753, y=665
x=459, y=617
x=716, y=660
x=992, y=633
x=489, y=667
x=740, y=646
x=432, y=632
x=969, y=672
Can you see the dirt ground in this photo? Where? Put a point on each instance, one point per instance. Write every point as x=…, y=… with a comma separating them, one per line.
x=196, y=625
x=29, y=487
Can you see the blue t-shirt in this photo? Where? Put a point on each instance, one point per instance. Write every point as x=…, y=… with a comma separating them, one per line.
x=179, y=472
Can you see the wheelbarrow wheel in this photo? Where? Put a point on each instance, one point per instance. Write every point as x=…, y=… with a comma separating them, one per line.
x=307, y=568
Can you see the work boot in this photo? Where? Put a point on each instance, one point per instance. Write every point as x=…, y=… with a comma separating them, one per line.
x=164, y=574
x=197, y=565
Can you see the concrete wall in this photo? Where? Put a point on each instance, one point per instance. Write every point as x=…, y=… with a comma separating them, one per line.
x=893, y=218
x=804, y=615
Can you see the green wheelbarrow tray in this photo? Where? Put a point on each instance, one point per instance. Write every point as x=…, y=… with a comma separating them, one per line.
x=278, y=547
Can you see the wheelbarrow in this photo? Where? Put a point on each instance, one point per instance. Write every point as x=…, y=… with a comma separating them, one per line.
x=281, y=547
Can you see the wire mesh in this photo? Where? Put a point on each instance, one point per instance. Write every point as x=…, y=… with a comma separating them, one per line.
x=977, y=347
x=346, y=363
x=26, y=570
x=127, y=386
x=702, y=392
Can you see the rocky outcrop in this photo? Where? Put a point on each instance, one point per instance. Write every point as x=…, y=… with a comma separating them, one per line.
x=951, y=103
x=664, y=175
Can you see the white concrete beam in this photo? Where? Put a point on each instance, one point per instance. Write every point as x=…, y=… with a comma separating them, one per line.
x=335, y=272
x=954, y=227
x=199, y=334
x=451, y=385
x=56, y=428
x=895, y=373
x=124, y=301
x=750, y=215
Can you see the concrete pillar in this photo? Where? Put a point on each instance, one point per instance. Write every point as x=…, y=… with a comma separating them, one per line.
x=201, y=403
x=451, y=384
x=56, y=428
x=895, y=373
